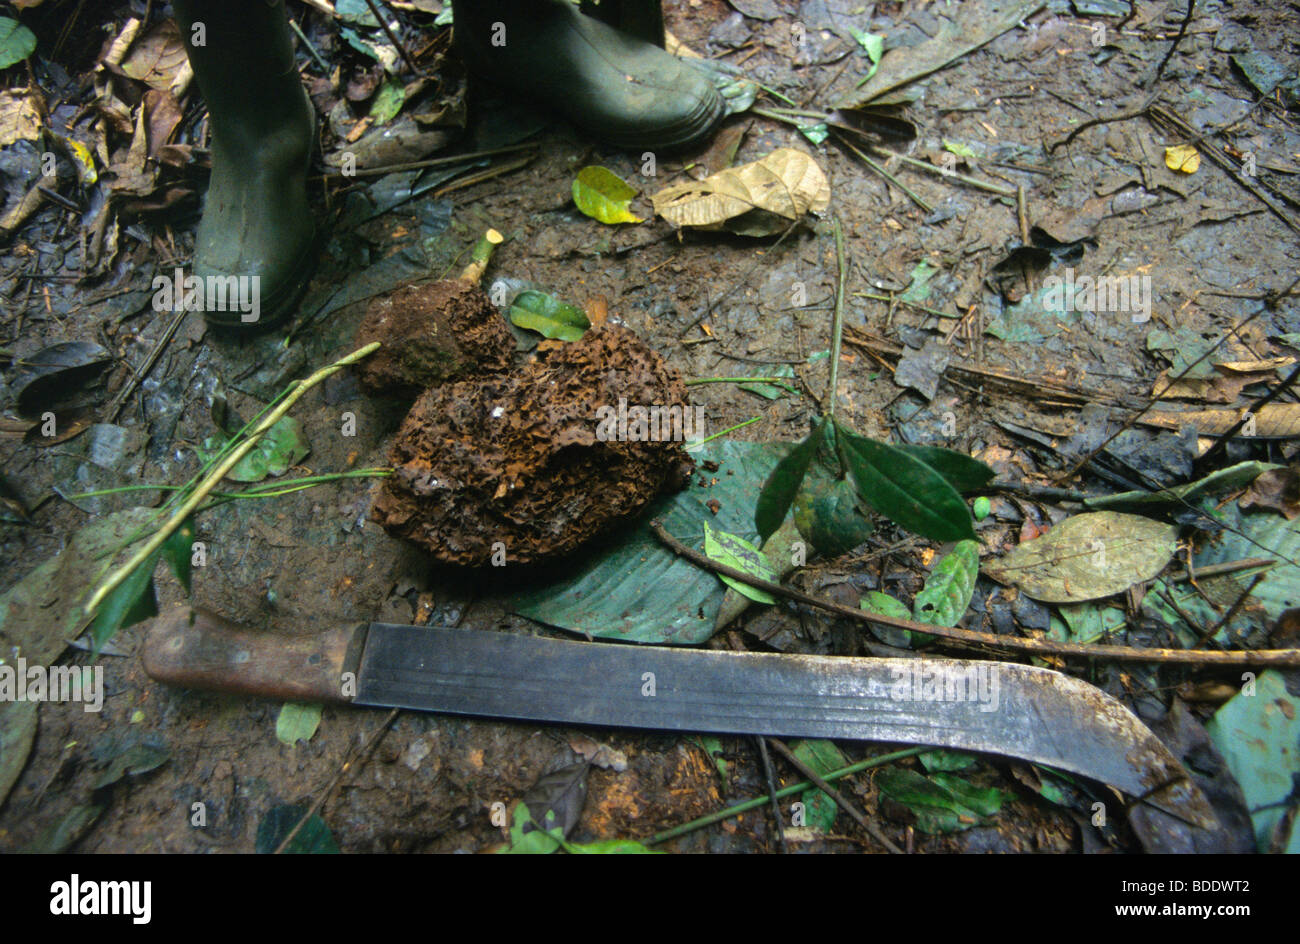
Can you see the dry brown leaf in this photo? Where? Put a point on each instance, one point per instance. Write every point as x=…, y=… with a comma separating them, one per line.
x=163, y=114
x=1268, y=365
x=158, y=59
x=121, y=43
x=1273, y=421
x=787, y=183
x=1277, y=490
x=21, y=116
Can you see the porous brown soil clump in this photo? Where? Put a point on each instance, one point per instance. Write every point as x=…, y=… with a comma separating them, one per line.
x=431, y=333
x=537, y=459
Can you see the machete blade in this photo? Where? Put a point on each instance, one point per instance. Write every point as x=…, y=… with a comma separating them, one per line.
x=999, y=708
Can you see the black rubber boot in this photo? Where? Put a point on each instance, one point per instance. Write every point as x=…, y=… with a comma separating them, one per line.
x=256, y=221
x=622, y=89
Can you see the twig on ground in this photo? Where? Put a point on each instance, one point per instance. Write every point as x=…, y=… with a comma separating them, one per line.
x=360, y=758
x=214, y=477
x=1269, y=657
x=844, y=802
x=1182, y=31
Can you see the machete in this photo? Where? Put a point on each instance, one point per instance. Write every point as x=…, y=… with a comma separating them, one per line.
x=1000, y=708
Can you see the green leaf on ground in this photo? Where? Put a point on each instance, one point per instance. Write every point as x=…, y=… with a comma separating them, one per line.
x=132, y=759
x=616, y=589
x=736, y=552
x=905, y=489
x=1216, y=483
x=918, y=288
x=782, y=485
x=945, y=761
x=885, y=605
x=873, y=45
x=314, y=837
x=823, y=757
x=17, y=42
x=773, y=390
x=830, y=517
x=40, y=613
x=1258, y=735
x=948, y=589
x=297, y=721
x=387, y=102
x=941, y=803
x=548, y=316
x=1087, y=557
x=602, y=195
x=282, y=446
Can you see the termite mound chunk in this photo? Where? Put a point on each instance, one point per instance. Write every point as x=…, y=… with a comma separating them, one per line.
x=430, y=333
x=536, y=463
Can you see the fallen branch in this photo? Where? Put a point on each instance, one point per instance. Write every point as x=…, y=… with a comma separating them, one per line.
x=213, y=478
x=1260, y=657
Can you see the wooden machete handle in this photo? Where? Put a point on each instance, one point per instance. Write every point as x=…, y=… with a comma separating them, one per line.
x=194, y=648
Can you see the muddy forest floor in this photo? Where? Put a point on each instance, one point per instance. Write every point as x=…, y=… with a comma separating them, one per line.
x=712, y=305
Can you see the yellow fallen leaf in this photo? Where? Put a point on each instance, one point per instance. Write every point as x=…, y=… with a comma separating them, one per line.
x=1184, y=158
x=787, y=183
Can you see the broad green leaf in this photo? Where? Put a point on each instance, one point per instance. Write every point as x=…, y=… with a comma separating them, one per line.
x=17, y=42
x=941, y=803
x=961, y=471
x=1087, y=557
x=738, y=553
x=948, y=589
x=388, y=102
x=1084, y=623
x=885, y=605
x=961, y=150
x=905, y=489
x=1258, y=735
x=829, y=516
x=1257, y=535
x=178, y=552
x=782, y=485
x=314, y=837
x=823, y=757
x=548, y=316
x=603, y=195
x=985, y=801
x=130, y=602
x=1216, y=483
x=281, y=447
x=297, y=721
x=615, y=590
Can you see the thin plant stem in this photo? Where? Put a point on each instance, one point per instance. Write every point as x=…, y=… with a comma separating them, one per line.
x=214, y=477
x=784, y=792
x=729, y=429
